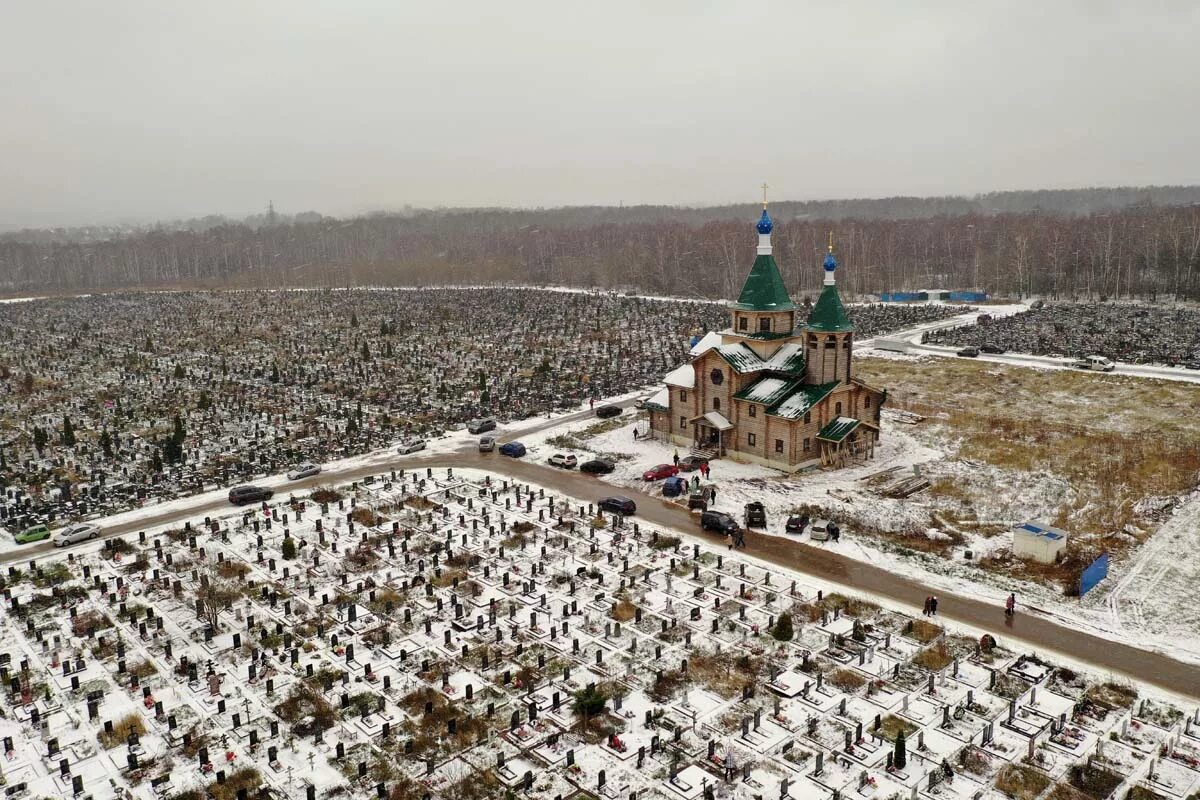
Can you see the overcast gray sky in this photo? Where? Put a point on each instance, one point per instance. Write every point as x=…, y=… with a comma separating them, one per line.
x=125, y=109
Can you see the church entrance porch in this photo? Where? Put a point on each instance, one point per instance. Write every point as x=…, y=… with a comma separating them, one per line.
x=710, y=434
x=847, y=439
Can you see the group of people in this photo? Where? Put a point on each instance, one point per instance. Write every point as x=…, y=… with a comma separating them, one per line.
x=931, y=604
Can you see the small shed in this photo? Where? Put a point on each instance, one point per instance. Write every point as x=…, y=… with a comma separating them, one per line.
x=1039, y=541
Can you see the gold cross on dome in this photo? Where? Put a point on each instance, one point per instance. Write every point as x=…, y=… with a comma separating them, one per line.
x=764, y=188
x=831, y=241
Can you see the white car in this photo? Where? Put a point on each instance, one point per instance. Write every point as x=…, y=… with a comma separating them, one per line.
x=1097, y=363
x=564, y=460
x=305, y=470
x=411, y=446
x=76, y=533
x=819, y=530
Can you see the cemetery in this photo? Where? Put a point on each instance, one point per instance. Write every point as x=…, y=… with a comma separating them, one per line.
x=454, y=633
x=1138, y=334
x=114, y=402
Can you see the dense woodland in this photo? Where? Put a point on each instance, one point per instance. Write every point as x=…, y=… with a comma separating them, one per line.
x=1096, y=243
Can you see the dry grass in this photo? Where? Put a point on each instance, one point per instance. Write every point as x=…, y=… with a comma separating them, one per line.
x=922, y=630
x=1095, y=782
x=367, y=517
x=891, y=725
x=1021, y=782
x=1112, y=695
x=131, y=723
x=1116, y=440
x=934, y=658
x=846, y=679
x=724, y=674
x=325, y=494
x=623, y=610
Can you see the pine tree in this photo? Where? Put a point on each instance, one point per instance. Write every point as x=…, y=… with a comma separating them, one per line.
x=783, y=628
x=3, y=463
x=106, y=443
x=39, y=438
x=274, y=373
x=288, y=548
x=387, y=349
x=901, y=758
x=179, y=373
x=353, y=320
x=68, y=433
x=156, y=464
x=366, y=351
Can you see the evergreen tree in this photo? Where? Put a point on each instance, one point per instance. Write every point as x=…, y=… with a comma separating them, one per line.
x=156, y=464
x=783, y=628
x=351, y=427
x=353, y=320
x=149, y=348
x=274, y=373
x=387, y=349
x=68, y=433
x=205, y=402
x=3, y=463
x=39, y=439
x=366, y=351
x=106, y=443
x=27, y=383
x=288, y=548
x=179, y=373
x=900, y=760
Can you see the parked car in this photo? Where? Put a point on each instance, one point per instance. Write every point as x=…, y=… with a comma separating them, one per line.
x=75, y=533
x=306, y=470
x=819, y=530
x=718, y=521
x=240, y=495
x=1097, y=363
x=640, y=403
x=796, y=524
x=698, y=499
x=660, y=471
x=617, y=505
x=487, y=444
x=597, y=466
x=512, y=449
x=673, y=487
x=411, y=446
x=564, y=460
x=34, y=533
x=691, y=463
x=994, y=349
x=1191, y=365
x=478, y=426
x=755, y=515
x=968, y=352
x=605, y=412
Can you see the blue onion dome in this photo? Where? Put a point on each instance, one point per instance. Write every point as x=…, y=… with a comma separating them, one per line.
x=830, y=262
x=764, y=223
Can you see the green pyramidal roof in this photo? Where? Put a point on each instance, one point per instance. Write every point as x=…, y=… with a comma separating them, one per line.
x=828, y=314
x=764, y=289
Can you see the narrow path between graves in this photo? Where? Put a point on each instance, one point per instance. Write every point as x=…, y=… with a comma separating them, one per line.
x=1144, y=665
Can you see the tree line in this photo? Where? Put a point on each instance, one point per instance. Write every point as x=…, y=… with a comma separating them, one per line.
x=1137, y=250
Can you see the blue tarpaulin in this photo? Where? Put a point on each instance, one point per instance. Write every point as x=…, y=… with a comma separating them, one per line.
x=1093, y=574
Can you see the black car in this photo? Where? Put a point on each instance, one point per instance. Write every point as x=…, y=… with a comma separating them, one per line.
x=240, y=495
x=605, y=412
x=597, y=466
x=691, y=463
x=755, y=515
x=1191, y=365
x=991, y=348
x=796, y=524
x=617, y=505
x=718, y=521
x=968, y=352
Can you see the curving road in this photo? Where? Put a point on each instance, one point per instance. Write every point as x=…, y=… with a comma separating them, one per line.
x=1036, y=632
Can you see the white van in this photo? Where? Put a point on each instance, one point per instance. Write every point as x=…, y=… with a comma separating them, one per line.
x=819, y=530
x=1097, y=363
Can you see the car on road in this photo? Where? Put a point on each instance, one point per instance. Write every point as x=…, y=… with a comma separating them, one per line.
x=755, y=515
x=34, y=533
x=819, y=532
x=75, y=533
x=306, y=470
x=718, y=521
x=691, y=463
x=478, y=426
x=487, y=444
x=641, y=402
x=1097, y=363
x=249, y=493
x=968, y=352
x=597, y=466
x=617, y=505
x=564, y=460
x=992, y=349
x=660, y=471
x=605, y=412
x=512, y=449
x=796, y=524
x=411, y=446
x=1191, y=365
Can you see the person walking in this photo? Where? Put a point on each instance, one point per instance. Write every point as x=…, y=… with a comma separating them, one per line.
x=933, y=606
x=925, y=609
x=676, y=457
x=1010, y=605
x=712, y=494
x=591, y=403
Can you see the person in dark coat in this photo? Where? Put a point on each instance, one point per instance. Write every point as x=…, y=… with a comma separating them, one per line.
x=933, y=606
x=925, y=609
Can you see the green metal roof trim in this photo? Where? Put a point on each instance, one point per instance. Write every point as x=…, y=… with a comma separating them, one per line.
x=764, y=289
x=765, y=336
x=838, y=429
x=768, y=391
x=828, y=314
x=799, y=402
x=740, y=357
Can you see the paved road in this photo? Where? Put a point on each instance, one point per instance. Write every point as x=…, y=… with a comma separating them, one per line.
x=1036, y=632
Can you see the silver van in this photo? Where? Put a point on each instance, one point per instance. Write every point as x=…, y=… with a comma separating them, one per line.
x=478, y=426
x=487, y=444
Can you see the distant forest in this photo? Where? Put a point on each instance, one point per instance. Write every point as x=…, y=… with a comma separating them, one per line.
x=1088, y=243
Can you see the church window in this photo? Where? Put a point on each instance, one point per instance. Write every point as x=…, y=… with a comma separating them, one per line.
x=867, y=401
x=807, y=417
x=716, y=404
x=837, y=408
x=764, y=324
x=717, y=377
x=742, y=323
x=831, y=344
x=682, y=423
x=683, y=395
x=807, y=445
x=779, y=445
x=751, y=439
x=846, y=343
x=753, y=410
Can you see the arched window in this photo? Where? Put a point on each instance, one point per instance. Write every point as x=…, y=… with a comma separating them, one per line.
x=837, y=408
x=716, y=404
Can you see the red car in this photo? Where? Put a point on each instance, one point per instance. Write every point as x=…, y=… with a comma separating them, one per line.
x=660, y=472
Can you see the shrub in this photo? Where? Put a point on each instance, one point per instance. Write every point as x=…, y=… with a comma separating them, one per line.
x=288, y=548
x=783, y=628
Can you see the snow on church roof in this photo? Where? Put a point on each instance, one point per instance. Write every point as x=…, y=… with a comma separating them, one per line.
x=684, y=377
x=711, y=339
